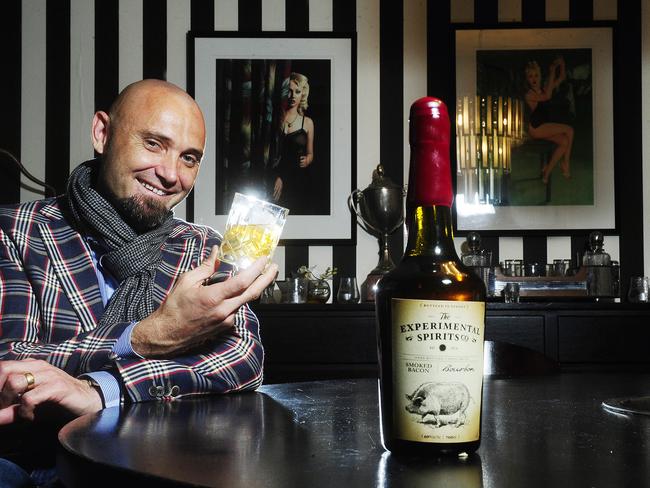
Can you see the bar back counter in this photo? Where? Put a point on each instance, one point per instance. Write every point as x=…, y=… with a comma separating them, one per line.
x=308, y=341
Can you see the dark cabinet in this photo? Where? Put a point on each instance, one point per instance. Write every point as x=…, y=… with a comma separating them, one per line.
x=304, y=342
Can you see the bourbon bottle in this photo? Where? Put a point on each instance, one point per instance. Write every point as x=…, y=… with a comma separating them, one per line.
x=430, y=312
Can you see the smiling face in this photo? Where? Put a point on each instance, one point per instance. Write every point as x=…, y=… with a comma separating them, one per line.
x=151, y=145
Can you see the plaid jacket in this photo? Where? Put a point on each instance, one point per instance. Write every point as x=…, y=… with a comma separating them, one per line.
x=50, y=304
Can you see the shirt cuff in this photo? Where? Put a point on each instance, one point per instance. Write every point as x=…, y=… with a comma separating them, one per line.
x=109, y=385
x=123, y=347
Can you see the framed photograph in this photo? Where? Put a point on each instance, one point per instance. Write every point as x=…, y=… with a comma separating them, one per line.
x=534, y=130
x=281, y=123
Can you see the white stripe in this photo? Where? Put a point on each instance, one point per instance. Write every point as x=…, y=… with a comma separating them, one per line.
x=225, y=15
x=458, y=245
x=279, y=259
x=82, y=79
x=645, y=129
x=462, y=11
x=130, y=42
x=557, y=10
x=321, y=258
x=511, y=248
x=178, y=23
x=606, y=9
x=320, y=15
x=558, y=248
x=611, y=245
x=32, y=94
x=273, y=15
x=509, y=10
x=415, y=64
x=367, y=112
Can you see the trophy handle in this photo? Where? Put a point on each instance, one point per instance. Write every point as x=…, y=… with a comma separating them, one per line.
x=353, y=203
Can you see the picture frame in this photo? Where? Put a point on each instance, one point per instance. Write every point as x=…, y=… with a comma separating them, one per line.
x=260, y=131
x=532, y=190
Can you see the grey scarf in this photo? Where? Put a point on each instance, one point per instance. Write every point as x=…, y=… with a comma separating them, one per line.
x=131, y=258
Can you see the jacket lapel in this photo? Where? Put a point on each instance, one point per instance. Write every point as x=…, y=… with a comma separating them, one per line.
x=73, y=266
x=178, y=255
x=70, y=259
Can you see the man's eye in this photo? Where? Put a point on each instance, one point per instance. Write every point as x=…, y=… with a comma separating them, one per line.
x=190, y=160
x=152, y=143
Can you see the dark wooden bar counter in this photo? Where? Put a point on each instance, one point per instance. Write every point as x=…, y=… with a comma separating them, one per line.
x=538, y=431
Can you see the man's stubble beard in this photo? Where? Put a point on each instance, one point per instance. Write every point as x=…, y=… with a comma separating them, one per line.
x=141, y=213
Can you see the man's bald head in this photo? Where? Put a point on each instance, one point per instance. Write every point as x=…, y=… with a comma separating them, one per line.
x=145, y=94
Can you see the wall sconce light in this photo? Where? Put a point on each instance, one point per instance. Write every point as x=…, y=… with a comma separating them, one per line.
x=487, y=128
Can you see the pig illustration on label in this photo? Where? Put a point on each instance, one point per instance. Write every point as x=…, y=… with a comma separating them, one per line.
x=439, y=404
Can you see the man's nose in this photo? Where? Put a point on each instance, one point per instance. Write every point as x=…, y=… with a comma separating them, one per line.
x=167, y=170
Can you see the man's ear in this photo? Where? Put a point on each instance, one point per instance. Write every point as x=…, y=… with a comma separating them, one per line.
x=100, y=129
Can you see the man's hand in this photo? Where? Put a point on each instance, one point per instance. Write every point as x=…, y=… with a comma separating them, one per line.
x=51, y=385
x=193, y=314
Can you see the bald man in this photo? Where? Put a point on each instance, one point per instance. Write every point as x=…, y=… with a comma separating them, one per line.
x=101, y=295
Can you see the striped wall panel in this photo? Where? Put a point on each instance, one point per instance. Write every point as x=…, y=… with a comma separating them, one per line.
x=75, y=55
x=10, y=99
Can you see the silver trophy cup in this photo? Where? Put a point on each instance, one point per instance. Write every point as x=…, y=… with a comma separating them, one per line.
x=380, y=212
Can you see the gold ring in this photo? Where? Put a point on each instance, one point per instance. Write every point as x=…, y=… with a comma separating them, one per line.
x=31, y=381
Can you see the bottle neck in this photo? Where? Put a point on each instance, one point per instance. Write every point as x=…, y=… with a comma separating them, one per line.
x=430, y=232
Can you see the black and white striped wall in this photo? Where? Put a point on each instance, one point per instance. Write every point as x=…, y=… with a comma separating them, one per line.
x=63, y=59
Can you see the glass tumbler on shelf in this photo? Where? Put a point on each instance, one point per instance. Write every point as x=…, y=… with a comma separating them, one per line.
x=638, y=291
x=252, y=231
x=561, y=266
x=348, y=290
x=293, y=290
x=511, y=293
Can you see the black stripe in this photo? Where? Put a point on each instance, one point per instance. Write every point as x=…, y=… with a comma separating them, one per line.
x=533, y=11
x=297, y=15
x=106, y=53
x=440, y=57
x=250, y=15
x=535, y=249
x=628, y=150
x=391, y=101
x=57, y=94
x=491, y=243
x=344, y=16
x=294, y=257
x=582, y=10
x=10, y=93
x=202, y=15
x=344, y=258
x=486, y=11
x=579, y=243
x=439, y=83
x=154, y=39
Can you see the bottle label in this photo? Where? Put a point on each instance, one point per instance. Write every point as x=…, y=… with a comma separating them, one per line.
x=437, y=369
